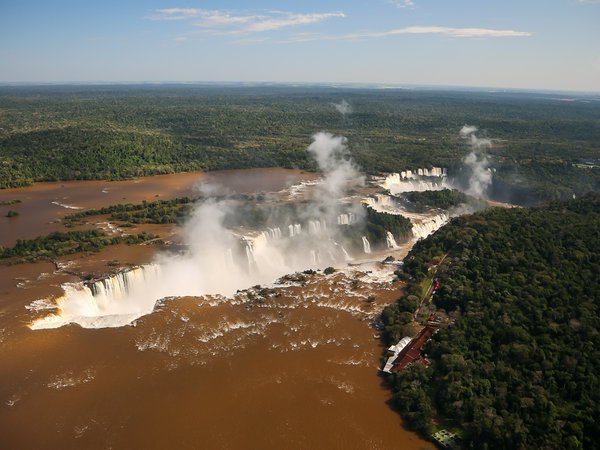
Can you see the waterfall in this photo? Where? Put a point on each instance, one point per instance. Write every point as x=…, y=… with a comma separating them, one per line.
x=249, y=252
x=294, y=229
x=273, y=233
x=332, y=258
x=316, y=226
x=346, y=219
x=112, y=302
x=229, y=258
x=380, y=202
x=219, y=265
x=429, y=225
x=346, y=255
x=416, y=180
x=255, y=245
x=418, y=185
x=366, y=245
x=391, y=242
x=314, y=256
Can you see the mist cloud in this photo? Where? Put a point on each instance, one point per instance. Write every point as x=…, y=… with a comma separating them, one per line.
x=344, y=108
x=477, y=160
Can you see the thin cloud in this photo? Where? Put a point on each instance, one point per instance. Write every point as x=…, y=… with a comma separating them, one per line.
x=289, y=20
x=242, y=23
x=448, y=31
x=174, y=14
x=458, y=32
x=224, y=19
x=402, y=3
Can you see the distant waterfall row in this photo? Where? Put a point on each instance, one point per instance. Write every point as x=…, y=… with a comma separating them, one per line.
x=433, y=179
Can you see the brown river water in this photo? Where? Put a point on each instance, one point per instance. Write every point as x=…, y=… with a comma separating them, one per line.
x=294, y=366
x=44, y=204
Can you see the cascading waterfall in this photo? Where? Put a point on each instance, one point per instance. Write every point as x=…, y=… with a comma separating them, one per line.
x=315, y=256
x=418, y=185
x=381, y=203
x=294, y=229
x=346, y=219
x=259, y=247
x=274, y=233
x=214, y=267
x=229, y=258
x=317, y=226
x=419, y=180
x=429, y=225
x=113, y=301
x=346, y=255
x=391, y=242
x=366, y=245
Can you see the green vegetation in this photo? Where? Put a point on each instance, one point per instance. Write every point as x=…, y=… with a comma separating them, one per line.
x=253, y=212
x=12, y=213
x=116, y=132
x=443, y=199
x=9, y=202
x=379, y=223
x=520, y=366
x=59, y=244
x=159, y=211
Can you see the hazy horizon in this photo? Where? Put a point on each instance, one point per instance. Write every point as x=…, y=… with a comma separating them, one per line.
x=299, y=84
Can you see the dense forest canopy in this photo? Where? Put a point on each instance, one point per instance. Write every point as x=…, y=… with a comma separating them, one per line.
x=114, y=132
x=520, y=365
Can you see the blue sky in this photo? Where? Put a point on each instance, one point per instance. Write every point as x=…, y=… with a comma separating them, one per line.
x=541, y=44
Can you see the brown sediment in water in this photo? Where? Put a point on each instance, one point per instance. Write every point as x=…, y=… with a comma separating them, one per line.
x=292, y=366
x=38, y=215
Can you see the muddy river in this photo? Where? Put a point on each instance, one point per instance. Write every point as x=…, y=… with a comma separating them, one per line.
x=290, y=365
x=42, y=205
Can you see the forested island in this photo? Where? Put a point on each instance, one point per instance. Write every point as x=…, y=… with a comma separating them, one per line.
x=542, y=147
x=444, y=199
x=59, y=244
x=518, y=365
